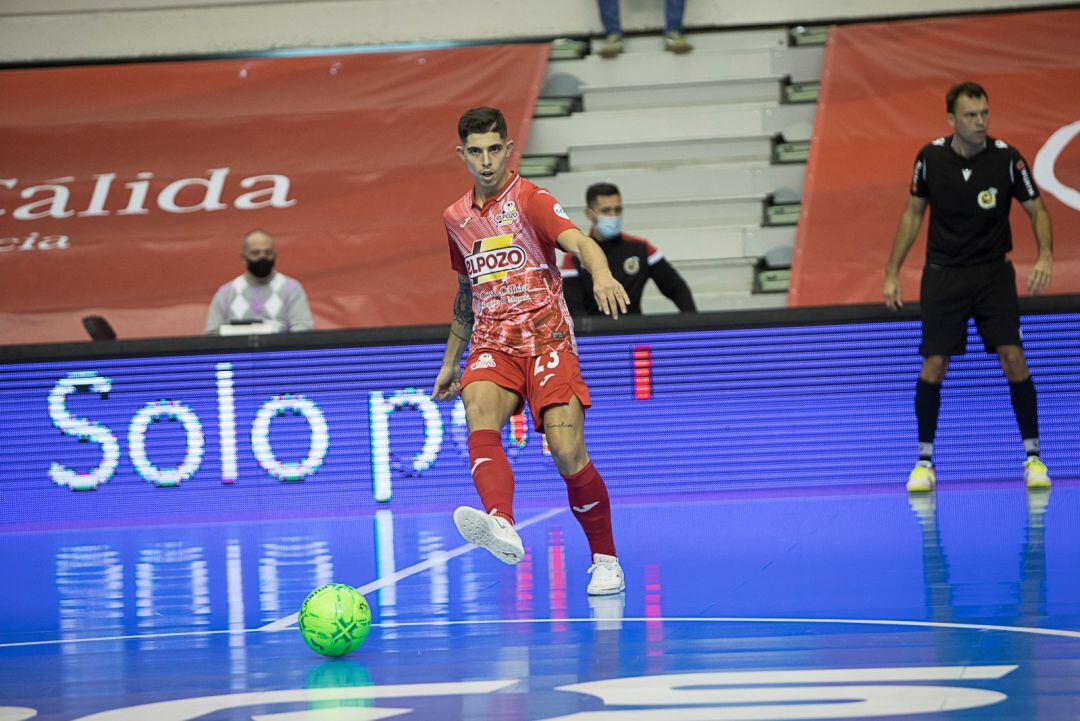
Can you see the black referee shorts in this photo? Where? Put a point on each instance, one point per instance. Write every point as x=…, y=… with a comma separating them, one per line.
x=950, y=295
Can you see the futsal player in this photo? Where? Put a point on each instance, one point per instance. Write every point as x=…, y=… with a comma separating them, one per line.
x=969, y=180
x=510, y=309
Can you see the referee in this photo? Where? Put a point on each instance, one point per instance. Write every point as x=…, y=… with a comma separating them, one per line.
x=969, y=180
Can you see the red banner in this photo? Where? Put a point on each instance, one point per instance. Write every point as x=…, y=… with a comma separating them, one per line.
x=126, y=190
x=883, y=98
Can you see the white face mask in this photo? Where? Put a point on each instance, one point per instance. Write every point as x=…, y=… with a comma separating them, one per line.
x=609, y=226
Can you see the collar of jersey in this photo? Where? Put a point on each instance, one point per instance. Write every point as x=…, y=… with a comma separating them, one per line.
x=989, y=142
x=514, y=177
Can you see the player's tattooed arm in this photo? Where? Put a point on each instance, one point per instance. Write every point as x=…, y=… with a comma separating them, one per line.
x=463, y=312
x=448, y=383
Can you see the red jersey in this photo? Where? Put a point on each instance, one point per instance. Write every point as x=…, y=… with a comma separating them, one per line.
x=507, y=249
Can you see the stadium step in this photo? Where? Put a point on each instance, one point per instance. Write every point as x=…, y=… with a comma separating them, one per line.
x=716, y=241
x=540, y=166
x=704, y=41
x=713, y=300
x=635, y=69
x=554, y=135
x=681, y=93
x=686, y=212
x=783, y=182
x=662, y=80
x=718, y=274
x=670, y=152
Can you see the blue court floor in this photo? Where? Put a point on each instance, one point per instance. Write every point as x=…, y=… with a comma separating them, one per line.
x=797, y=605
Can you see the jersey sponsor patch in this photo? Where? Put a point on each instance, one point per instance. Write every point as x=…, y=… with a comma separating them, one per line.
x=493, y=258
x=1025, y=176
x=509, y=214
x=484, y=361
x=560, y=212
x=988, y=199
x=915, y=175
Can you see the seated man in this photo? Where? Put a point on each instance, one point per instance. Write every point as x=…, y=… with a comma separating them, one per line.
x=260, y=293
x=633, y=261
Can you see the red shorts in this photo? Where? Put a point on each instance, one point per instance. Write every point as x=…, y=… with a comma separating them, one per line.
x=547, y=380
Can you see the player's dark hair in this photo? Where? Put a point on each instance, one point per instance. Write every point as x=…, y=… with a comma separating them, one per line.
x=481, y=120
x=970, y=89
x=600, y=190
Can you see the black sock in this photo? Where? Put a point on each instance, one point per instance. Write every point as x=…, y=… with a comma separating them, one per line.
x=1026, y=407
x=927, y=405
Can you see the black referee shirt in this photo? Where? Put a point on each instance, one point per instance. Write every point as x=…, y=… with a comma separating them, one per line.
x=633, y=262
x=970, y=200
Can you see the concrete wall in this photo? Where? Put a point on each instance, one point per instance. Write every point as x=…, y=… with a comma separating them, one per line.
x=56, y=30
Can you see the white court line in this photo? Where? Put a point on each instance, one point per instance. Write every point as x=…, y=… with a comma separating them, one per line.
x=94, y=639
x=1061, y=633
x=283, y=623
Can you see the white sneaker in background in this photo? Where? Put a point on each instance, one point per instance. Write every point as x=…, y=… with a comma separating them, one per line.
x=607, y=576
x=489, y=531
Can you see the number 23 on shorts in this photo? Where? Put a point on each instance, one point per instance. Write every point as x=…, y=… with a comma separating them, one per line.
x=541, y=366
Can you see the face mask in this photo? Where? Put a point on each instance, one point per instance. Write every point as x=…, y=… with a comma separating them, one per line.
x=261, y=268
x=609, y=226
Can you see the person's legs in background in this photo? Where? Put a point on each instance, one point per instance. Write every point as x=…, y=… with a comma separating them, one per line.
x=609, y=17
x=673, y=25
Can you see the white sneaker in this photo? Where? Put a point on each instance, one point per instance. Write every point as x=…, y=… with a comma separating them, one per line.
x=489, y=531
x=607, y=576
x=922, y=478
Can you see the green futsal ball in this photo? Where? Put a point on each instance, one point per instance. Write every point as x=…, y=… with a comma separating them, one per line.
x=334, y=619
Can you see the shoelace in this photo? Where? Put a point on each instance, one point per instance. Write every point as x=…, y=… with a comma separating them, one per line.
x=604, y=564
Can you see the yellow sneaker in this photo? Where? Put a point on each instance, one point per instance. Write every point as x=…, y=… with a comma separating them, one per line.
x=677, y=43
x=1035, y=475
x=922, y=478
x=612, y=47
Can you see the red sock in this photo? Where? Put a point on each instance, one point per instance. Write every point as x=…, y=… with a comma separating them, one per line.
x=491, y=473
x=586, y=490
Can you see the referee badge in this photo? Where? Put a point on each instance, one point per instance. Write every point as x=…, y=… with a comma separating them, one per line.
x=631, y=265
x=988, y=199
